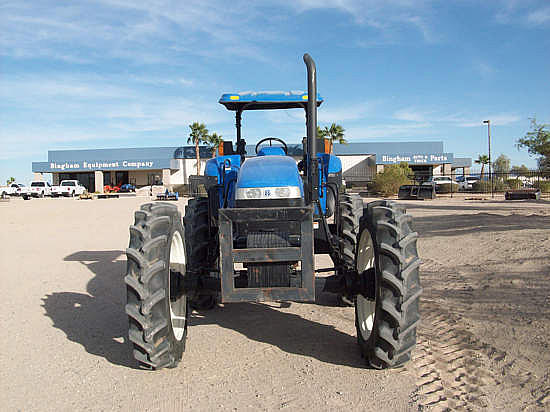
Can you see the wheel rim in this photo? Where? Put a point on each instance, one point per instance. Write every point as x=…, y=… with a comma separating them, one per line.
x=366, y=308
x=177, y=300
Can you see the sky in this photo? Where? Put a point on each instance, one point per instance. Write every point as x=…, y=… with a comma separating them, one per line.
x=120, y=73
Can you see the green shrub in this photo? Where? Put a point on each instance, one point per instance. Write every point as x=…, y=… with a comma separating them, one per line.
x=514, y=183
x=446, y=188
x=500, y=186
x=182, y=190
x=544, y=186
x=485, y=186
x=387, y=182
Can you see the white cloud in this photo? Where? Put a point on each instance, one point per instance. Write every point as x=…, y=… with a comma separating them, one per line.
x=483, y=68
x=325, y=114
x=71, y=108
x=155, y=115
x=410, y=115
x=457, y=119
x=31, y=88
x=178, y=81
x=501, y=119
x=132, y=30
x=387, y=17
x=524, y=12
x=350, y=112
x=88, y=31
x=391, y=130
x=539, y=16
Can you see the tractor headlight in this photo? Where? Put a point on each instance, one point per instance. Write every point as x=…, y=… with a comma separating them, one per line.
x=284, y=192
x=253, y=193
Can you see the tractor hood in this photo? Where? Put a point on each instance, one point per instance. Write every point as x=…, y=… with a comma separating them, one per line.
x=269, y=171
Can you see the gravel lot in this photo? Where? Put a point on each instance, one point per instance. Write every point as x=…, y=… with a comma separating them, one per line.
x=483, y=341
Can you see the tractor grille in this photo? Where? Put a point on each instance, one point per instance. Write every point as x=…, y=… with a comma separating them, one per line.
x=268, y=274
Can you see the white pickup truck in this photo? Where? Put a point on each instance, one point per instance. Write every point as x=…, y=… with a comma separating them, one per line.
x=68, y=188
x=14, y=189
x=40, y=189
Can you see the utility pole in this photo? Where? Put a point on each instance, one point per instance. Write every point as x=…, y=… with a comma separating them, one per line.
x=488, y=122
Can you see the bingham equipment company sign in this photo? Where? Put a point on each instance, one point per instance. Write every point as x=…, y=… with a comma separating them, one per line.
x=96, y=165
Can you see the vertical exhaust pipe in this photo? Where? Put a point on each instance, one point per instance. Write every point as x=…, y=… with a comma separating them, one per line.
x=311, y=117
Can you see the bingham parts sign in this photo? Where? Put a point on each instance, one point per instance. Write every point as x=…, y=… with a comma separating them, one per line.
x=415, y=159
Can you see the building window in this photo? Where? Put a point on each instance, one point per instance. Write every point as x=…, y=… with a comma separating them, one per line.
x=154, y=179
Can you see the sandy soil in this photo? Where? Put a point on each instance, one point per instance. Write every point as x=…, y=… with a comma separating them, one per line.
x=483, y=341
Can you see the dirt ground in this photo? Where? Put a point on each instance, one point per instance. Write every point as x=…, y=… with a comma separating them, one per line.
x=483, y=341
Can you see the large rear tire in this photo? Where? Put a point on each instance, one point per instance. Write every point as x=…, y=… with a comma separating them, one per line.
x=156, y=307
x=197, y=232
x=386, y=255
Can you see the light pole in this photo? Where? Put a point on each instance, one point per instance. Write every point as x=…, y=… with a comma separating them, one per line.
x=488, y=122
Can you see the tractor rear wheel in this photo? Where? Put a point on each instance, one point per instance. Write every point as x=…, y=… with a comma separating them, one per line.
x=387, y=311
x=351, y=210
x=197, y=232
x=156, y=307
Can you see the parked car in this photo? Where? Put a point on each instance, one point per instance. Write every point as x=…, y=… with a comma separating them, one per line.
x=128, y=187
x=441, y=180
x=468, y=182
x=40, y=189
x=56, y=191
x=68, y=188
x=14, y=189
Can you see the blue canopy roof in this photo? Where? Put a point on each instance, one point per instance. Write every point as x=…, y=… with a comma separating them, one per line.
x=266, y=100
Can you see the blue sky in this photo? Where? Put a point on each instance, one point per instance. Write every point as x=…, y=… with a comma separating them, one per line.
x=121, y=73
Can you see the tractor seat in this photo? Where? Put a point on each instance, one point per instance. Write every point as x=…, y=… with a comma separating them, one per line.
x=227, y=148
x=271, y=151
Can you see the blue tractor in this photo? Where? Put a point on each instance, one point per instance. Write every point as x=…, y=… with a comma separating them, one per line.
x=253, y=235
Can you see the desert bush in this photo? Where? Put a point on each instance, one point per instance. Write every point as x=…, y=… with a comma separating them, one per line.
x=514, y=183
x=182, y=190
x=387, y=182
x=544, y=186
x=481, y=186
x=485, y=186
x=500, y=186
x=446, y=188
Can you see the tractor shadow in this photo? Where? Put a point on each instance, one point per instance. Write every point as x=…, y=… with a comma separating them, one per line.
x=96, y=320
x=272, y=323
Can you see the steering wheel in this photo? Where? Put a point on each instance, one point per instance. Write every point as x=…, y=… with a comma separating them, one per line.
x=285, y=148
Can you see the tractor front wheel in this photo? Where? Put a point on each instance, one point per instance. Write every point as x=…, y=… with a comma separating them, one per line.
x=156, y=307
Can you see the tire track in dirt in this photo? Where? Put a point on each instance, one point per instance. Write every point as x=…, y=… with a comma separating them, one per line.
x=454, y=369
x=450, y=373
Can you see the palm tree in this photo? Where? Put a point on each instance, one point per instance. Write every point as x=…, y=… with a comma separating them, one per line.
x=198, y=134
x=214, y=140
x=335, y=133
x=482, y=160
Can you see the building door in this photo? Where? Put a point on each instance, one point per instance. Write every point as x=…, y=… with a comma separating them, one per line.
x=121, y=178
x=85, y=179
x=154, y=179
x=422, y=172
x=107, y=179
